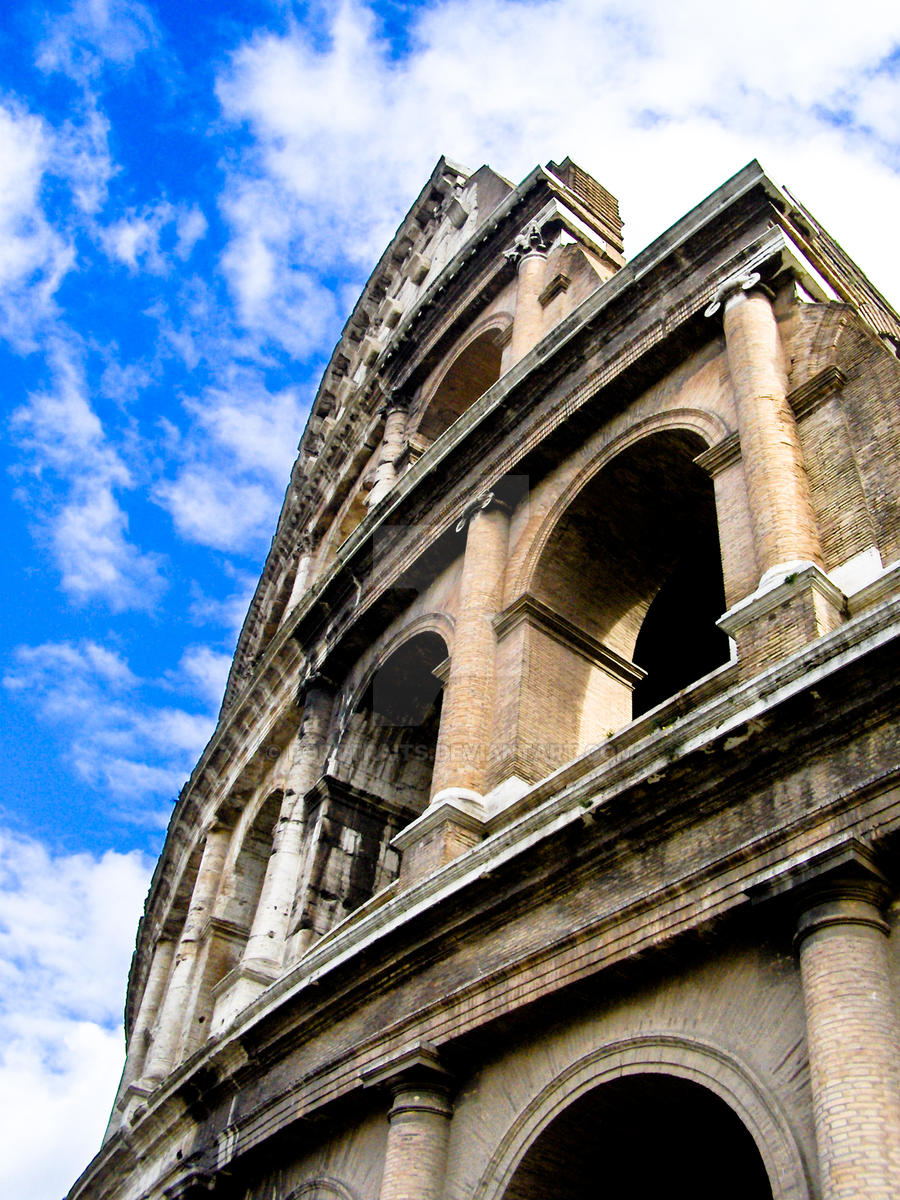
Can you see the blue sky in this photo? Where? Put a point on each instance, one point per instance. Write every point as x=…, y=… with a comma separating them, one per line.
x=191, y=196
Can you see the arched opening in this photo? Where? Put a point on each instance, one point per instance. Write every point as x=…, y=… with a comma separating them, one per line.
x=234, y=910
x=634, y=564
x=377, y=781
x=475, y=369
x=644, y=1136
x=390, y=739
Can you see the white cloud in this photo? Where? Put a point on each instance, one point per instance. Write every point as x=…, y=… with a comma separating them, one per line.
x=136, y=240
x=661, y=102
x=85, y=524
x=121, y=739
x=67, y=925
x=94, y=34
x=236, y=461
x=33, y=256
x=208, y=671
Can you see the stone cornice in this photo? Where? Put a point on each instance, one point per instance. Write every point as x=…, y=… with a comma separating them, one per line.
x=529, y=610
x=812, y=394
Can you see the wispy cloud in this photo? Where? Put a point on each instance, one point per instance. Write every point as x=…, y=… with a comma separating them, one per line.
x=68, y=453
x=661, y=115
x=66, y=934
x=125, y=740
x=138, y=240
x=34, y=257
x=94, y=34
x=235, y=460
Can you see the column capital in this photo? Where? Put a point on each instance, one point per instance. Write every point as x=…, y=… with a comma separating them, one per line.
x=734, y=285
x=844, y=885
x=315, y=681
x=396, y=400
x=529, y=242
x=415, y=1069
x=480, y=504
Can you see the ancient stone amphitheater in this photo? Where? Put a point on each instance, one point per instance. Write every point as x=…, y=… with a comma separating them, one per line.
x=546, y=844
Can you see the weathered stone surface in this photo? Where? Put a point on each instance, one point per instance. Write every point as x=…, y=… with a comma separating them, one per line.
x=508, y=843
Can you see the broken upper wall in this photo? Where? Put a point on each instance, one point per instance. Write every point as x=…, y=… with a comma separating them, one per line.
x=443, y=315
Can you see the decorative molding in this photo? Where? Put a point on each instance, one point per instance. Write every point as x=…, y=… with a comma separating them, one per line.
x=529, y=241
x=720, y=456
x=538, y=615
x=731, y=287
x=811, y=395
x=558, y=284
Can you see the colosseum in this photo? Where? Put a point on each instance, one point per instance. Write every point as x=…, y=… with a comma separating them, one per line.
x=547, y=840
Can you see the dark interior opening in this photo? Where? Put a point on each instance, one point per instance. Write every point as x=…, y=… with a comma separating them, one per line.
x=643, y=1137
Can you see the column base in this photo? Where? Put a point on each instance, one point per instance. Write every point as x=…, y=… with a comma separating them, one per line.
x=238, y=988
x=794, y=604
x=453, y=822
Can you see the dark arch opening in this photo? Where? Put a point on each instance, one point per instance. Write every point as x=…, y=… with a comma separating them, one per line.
x=390, y=740
x=643, y=1137
x=634, y=563
x=472, y=373
x=679, y=640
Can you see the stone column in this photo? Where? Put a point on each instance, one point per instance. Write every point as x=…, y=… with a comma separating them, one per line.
x=419, y=1127
x=169, y=1031
x=464, y=741
x=393, y=444
x=530, y=256
x=268, y=934
x=139, y=1041
x=302, y=574
x=853, y=1037
x=781, y=514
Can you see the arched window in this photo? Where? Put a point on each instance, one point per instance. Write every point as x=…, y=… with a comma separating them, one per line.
x=377, y=781
x=469, y=376
x=389, y=743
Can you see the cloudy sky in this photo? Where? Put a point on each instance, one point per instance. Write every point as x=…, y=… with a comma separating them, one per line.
x=191, y=196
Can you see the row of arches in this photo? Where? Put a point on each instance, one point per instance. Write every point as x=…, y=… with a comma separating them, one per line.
x=621, y=599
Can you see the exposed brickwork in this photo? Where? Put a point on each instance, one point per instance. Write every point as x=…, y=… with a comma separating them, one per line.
x=463, y=749
x=854, y=1050
x=417, y=1145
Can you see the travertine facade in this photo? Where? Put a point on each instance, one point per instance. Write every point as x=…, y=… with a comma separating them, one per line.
x=547, y=840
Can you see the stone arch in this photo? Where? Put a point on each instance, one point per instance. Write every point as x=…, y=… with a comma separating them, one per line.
x=235, y=905
x=389, y=724
x=476, y=365
x=434, y=622
x=325, y=1187
x=670, y=1056
x=633, y=563
x=602, y=450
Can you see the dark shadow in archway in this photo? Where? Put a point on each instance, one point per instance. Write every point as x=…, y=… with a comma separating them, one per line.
x=473, y=372
x=643, y=1137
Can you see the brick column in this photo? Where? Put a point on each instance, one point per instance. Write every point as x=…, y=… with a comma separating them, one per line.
x=530, y=256
x=464, y=741
x=265, y=945
x=419, y=1126
x=781, y=514
x=393, y=444
x=169, y=1031
x=853, y=1038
